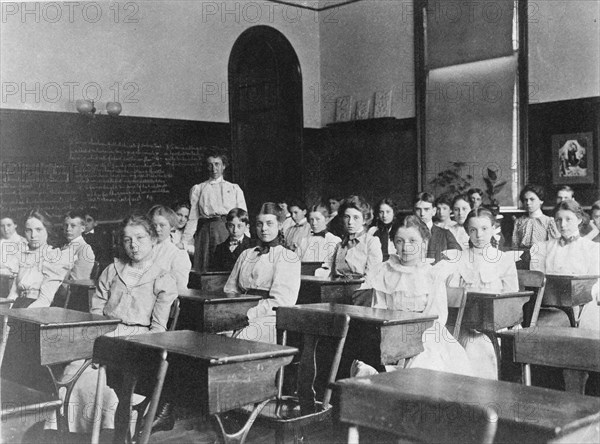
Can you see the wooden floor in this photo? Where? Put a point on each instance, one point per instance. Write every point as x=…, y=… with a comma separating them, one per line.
x=187, y=431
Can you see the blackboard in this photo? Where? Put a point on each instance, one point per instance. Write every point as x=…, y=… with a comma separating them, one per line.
x=116, y=178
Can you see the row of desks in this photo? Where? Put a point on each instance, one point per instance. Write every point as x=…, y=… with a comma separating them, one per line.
x=230, y=372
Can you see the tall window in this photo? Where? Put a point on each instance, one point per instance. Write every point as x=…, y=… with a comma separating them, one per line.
x=472, y=89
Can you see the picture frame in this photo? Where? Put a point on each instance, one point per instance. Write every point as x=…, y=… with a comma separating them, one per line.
x=343, y=109
x=573, y=158
x=363, y=108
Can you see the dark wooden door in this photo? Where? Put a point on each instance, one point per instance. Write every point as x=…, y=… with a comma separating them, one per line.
x=265, y=110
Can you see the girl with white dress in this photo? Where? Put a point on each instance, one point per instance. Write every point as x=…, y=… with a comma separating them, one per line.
x=571, y=254
x=269, y=270
x=408, y=282
x=11, y=246
x=166, y=254
x=42, y=267
x=139, y=292
x=483, y=268
x=320, y=245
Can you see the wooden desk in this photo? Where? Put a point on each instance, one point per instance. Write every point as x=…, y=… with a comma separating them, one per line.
x=224, y=372
x=567, y=291
x=309, y=268
x=489, y=312
x=209, y=280
x=378, y=337
x=50, y=336
x=573, y=349
x=213, y=312
x=444, y=407
x=494, y=311
x=315, y=289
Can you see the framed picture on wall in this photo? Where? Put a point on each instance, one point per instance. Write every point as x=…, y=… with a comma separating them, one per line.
x=573, y=158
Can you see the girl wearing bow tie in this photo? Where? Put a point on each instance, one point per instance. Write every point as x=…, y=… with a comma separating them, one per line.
x=320, y=245
x=359, y=254
x=269, y=270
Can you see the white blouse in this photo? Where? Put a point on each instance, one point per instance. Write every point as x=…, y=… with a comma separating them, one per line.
x=10, y=253
x=419, y=288
x=40, y=274
x=318, y=248
x=485, y=269
x=277, y=272
x=582, y=256
x=360, y=258
x=172, y=259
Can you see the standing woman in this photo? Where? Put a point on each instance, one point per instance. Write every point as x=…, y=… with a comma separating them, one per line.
x=269, y=270
x=483, y=268
x=571, y=254
x=461, y=208
x=385, y=216
x=359, y=254
x=535, y=226
x=210, y=202
x=42, y=267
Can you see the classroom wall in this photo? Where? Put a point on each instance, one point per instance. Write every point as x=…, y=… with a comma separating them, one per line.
x=169, y=59
x=367, y=47
x=159, y=59
x=564, y=50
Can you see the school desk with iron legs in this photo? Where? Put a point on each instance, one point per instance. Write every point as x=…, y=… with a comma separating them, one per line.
x=566, y=291
x=52, y=336
x=575, y=350
x=378, y=337
x=221, y=373
x=490, y=312
x=214, y=311
x=316, y=289
x=435, y=406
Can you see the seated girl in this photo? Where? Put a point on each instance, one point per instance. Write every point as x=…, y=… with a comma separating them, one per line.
x=300, y=229
x=535, y=226
x=382, y=225
x=443, y=205
x=182, y=211
x=270, y=270
x=134, y=289
x=461, y=208
x=320, y=245
x=166, y=254
x=571, y=254
x=359, y=254
x=42, y=267
x=11, y=245
x=407, y=282
x=483, y=268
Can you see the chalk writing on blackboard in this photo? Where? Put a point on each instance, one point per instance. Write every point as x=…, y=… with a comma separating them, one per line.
x=114, y=177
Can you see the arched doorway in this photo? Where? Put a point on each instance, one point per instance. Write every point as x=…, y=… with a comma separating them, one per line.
x=265, y=111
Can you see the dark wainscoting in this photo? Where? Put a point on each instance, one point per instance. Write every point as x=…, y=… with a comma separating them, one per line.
x=564, y=117
x=376, y=158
